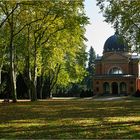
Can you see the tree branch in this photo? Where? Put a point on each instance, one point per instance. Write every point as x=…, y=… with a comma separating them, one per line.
x=28, y=25
x=60, y=29
x=45, y=15
x=58, y=67
x=9, y=14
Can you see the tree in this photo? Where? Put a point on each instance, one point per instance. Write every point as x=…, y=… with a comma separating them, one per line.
x=91, y=61
x=124, y=16
x=63, y=26
x=12, y=12
x=10, y=22
x=91, y=68
x=65, y=63
x=38, y=40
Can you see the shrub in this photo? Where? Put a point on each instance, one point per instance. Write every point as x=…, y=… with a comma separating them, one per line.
x=137, y=93
x=87, y=93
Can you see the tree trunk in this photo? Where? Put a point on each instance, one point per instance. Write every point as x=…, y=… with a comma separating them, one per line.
x=33, y=84
x=42, y=82
x=48, y=86
x=28, y=76
x=49, y=90
x=33, y=91
x=0, y=79
x=34, y=79
x=41, y=86
x=28, y=65
x=12, y=74
x=54, y=79
x=12, y=60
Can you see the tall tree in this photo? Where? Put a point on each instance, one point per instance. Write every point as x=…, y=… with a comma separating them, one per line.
x=91, y=61
x=39, y=34
x=124, y=16
x=57, y=43
x=91, y=68
x=10, y=22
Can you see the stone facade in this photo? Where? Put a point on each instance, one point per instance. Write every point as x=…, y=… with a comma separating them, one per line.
x=116, y=72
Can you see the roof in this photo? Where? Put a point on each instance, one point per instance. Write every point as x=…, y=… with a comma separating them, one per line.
x=114, y=76
x=135, y=57
x=115, y=43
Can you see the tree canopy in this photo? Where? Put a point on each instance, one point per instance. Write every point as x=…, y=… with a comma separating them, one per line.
x=124, y=15
x=43, y=39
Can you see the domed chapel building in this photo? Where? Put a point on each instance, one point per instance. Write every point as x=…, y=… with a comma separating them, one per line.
x=117, y=71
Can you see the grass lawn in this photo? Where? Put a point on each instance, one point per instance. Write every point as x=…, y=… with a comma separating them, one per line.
x=70, y=119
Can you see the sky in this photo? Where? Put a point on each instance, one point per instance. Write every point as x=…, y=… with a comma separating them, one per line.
x=98, y=31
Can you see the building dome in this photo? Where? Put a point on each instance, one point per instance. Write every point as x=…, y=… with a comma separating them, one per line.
x=115, y=44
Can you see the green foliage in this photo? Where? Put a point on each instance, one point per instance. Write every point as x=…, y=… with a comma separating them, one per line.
x=3, y=47
x=88, y=81
x=91, y=61
x=2, y=87
x=47, y=38
x=124, y=15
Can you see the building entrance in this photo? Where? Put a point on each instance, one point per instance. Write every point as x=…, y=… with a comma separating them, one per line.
x=114, y=88
x=106, y=88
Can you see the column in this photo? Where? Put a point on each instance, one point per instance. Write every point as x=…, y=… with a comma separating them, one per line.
x=119, y=92
x=110, y=88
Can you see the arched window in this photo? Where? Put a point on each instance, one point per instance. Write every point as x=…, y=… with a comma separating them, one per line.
x=123, y=87
x=115, y=70
x=106, y=87
x=114, y=87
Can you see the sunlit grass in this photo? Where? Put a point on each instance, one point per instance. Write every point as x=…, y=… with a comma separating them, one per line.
x=70, y=119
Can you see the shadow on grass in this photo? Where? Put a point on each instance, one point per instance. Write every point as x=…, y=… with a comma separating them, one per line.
x=70, y=119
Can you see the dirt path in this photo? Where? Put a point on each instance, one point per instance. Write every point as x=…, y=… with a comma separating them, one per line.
x=110, y=98
x=77, y=98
